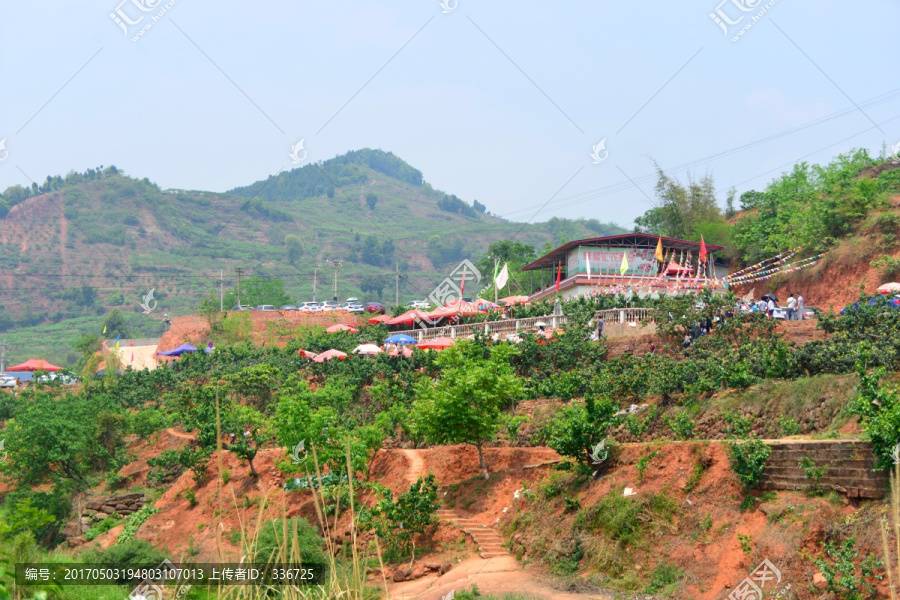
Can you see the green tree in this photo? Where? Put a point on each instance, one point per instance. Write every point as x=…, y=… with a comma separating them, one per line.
x=251, y=430
x=374, y=284
x=412, y=513
x=256, y=383
x=516, y=255
x=578, y=428
x=115, y=324
x=371, y=200
x=259, y=290
x=294, y=247
x=59, y=439
x=464, y=405
x=680, y=207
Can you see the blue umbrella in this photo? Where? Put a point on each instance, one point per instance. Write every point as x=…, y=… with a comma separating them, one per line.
x=400, y=338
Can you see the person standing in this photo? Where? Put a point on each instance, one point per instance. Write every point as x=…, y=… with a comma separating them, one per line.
x=791, y=307
x=800, y=306
x=770, y=307
x=600, y=324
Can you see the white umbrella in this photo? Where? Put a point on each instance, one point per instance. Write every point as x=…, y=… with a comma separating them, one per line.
x=889, y=288
x=367, y=349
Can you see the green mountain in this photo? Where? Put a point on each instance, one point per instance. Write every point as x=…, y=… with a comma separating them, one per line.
x=78, y=246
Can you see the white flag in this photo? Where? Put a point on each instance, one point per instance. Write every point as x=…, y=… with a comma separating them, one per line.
x=502, y=278
x=588, y=261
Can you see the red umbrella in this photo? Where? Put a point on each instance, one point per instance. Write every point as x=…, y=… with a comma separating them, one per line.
x=307, y=353
x=439, y=343
x=340, y=327
x=510, y=300
x=408, y=318
x=35, y=364
x=380, y=319
x=329, y=354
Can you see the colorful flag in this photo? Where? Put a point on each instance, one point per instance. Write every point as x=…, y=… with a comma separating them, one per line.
x=702, y=249
x=558, y=276
x=501, y=279
x=117, y=341
x=624, y=266
x=659, y=250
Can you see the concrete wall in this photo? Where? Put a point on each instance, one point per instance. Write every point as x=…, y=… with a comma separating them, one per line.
x=849, y=464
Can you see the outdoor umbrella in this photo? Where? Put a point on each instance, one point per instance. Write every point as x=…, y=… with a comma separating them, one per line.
x=400, y=338
x=329, y=354
x=340, y=327
x=408, y=318
x=307, y=353
x=439, y=343
x=510, y=300
x=482, y=304
x=772, y=296
x=367, y=349
x=380, y=319
x=406, y=352
x=35, y=364
x=889, y=288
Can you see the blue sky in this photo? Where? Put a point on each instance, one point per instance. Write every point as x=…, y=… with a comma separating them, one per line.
x=497, y=101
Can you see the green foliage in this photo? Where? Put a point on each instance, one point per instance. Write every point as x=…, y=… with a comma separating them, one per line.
x=664, y=580
x=746, y=543
x=256, y=384
x=127, y=553
x=644, y=462
x=275, y=538
x=788, y=425
x=452, y=204
x=191, y=496
x=626, y=520
x=878, y=409
x=577, y=428
x=101, y=527
x=813, y=473
x=463, y=406
x=811, y=206
x=411, y=514
x=443, y=250
x=258, y=290
x=842, y=574
x=682, y=425
x=22, y=517
x=294, y=246
x=681, y=208
x=250, y=430
x=748, y=458
x=134, y=521
x=60, y=439
x=115, y=325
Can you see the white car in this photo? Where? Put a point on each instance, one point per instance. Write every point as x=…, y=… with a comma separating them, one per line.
x=309, y=307
x=422, y=304
x=330, y=305
x=8, y=381
x=355, y=308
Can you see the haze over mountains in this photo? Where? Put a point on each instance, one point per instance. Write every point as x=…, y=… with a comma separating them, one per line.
x=87, y=242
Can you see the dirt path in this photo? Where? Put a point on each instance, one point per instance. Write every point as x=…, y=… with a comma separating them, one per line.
x=498, y=575
x=495, y=571
x=416, y=466
x=179, y=434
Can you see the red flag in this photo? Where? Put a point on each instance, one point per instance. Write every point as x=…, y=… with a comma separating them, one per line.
x=558, y=275
x=463, y=290
x=702, y=250
x=132, y=357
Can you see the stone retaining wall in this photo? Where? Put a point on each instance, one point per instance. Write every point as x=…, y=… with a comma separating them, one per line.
x=849, y=467
x=97, y=509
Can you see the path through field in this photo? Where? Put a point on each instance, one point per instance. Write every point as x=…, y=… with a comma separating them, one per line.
x=494, y=572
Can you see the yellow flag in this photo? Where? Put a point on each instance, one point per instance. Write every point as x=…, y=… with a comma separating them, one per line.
x=624, y=266
x=659, y=250
x=104, y=330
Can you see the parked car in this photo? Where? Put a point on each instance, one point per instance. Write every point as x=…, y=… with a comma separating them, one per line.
x=330, y=305
x=63, y=377
x=422, y=304
x=267, y=307
x=351, y=301
x=309, y=307
x=374, y=308
x=355, y=308
x=810, y=312
x=242, y=307
x=8, y=381
x=287, y=307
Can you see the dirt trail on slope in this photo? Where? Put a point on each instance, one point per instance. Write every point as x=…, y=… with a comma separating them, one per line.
x=498, y=573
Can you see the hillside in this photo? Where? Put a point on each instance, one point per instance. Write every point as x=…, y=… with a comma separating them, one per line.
x=87, y=243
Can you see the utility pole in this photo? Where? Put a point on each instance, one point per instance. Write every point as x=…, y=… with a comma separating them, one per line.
x=397, y=284
x=4, y=347
x=315, y=277
x=240, y=271
x=221, y=290
x=336, y=264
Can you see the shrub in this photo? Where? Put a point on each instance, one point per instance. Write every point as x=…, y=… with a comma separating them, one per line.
x=400, y=521
x=682, y=425
x=788, y=426
x=748, y=459
x=842, y=575
x=664, y=579
x=133, y=521
x=626, y=519
x=275, y=538
x=101, y=527
x=644, y=462
x=577, y=429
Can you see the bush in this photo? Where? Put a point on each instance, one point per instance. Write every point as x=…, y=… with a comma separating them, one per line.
x=575, y=430
x=664, y=580
x=133, y=521
x=748, y=459
x=625, y=520
x=130, y=553
x=682, y=425
x=274, y=541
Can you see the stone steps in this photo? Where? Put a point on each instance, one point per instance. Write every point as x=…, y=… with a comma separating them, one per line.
x=490, y=544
